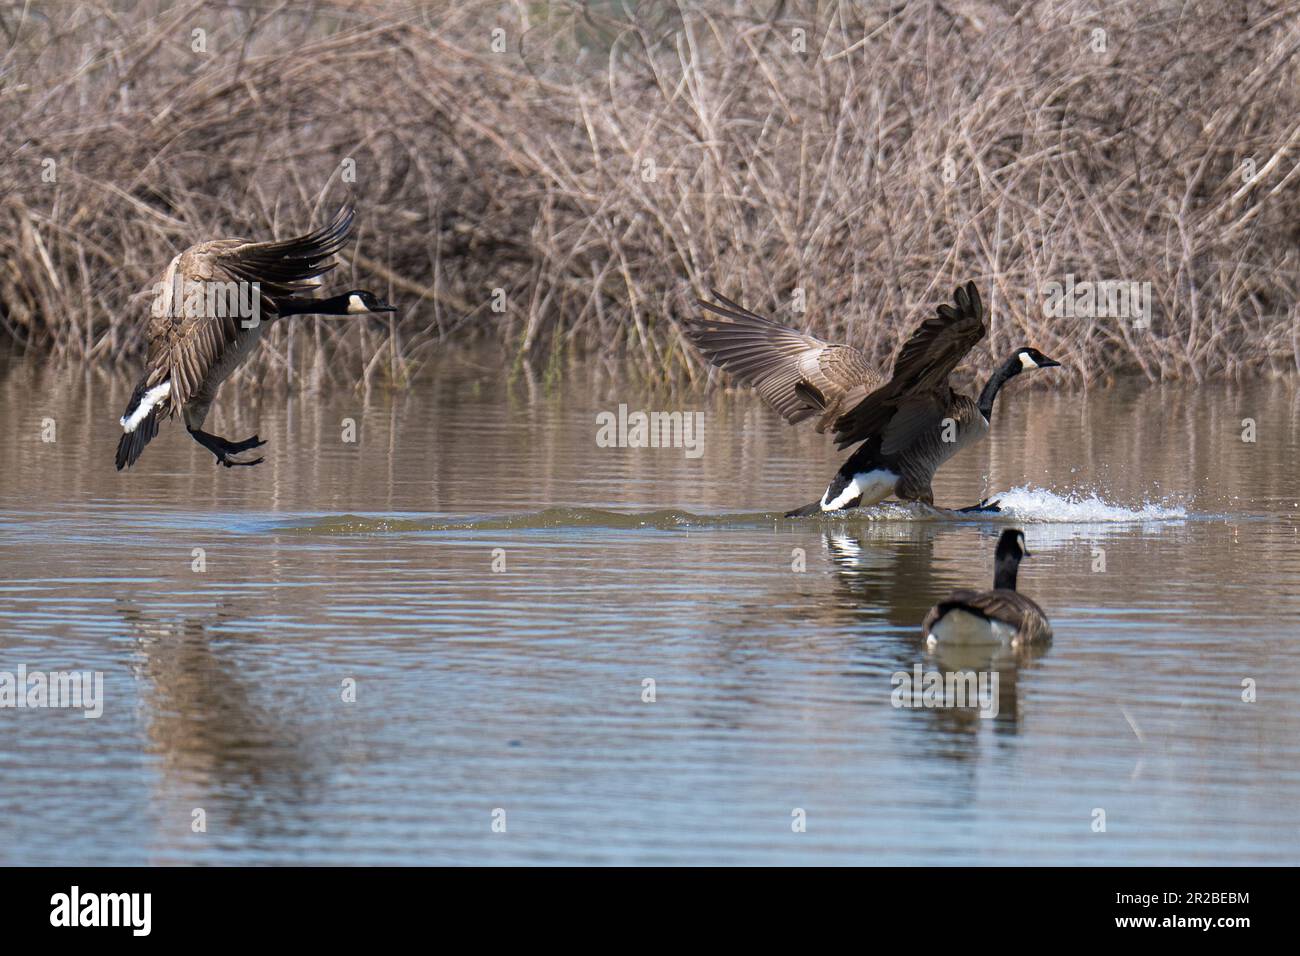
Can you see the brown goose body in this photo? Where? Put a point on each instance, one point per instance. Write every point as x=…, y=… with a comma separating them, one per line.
x=908, y=425
x=999, y=616
x=193, y=349
x=1022, y=620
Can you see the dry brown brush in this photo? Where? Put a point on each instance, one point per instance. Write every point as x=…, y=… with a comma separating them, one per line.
x=601, y=168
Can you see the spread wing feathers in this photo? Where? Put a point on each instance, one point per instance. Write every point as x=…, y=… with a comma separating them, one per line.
x=284, y=266
x=1010, y=607
x=919, y=385
x=941, y=342
x=798, y=374
x=186, y=348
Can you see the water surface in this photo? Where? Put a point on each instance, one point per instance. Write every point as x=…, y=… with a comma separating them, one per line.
x=1165, y=548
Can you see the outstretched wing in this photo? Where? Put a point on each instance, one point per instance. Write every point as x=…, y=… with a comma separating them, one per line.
x=798, y=374
x=284, y=267
x=185, y=348
x=915, y=398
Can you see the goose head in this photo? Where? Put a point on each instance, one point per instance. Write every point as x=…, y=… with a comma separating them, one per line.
x=360, y=302
x=1006, y=559
x=1012, y=544
x=1021, y=360
x=1024, y=359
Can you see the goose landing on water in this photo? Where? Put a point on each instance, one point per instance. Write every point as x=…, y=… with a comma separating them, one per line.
x=909, y=425
x=193, y=350
x=1001, y=616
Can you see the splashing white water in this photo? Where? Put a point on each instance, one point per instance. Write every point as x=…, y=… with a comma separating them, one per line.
x=1026, y=503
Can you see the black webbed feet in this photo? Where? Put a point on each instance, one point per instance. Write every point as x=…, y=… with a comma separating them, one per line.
x=234, y=447
x=223, y=449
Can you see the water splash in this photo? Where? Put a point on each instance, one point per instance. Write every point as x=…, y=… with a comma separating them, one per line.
x=1030, y=504
x=1021, y=505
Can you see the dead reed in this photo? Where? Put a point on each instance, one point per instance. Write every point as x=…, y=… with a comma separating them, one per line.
x=565, y=178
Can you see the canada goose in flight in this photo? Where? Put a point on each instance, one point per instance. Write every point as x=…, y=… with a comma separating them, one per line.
x=1000, y=616
x=909, y=425
x=194, y=345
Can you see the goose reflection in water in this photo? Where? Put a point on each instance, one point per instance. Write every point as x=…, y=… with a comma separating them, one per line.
x=891, y=574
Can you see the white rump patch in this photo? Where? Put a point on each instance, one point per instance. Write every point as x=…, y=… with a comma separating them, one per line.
x=871, y=486
x=147, y=403
x=963, y=627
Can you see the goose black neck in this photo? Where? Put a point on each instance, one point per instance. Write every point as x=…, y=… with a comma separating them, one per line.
x=1004, y=572
x=334, y=305
x=1007, y=370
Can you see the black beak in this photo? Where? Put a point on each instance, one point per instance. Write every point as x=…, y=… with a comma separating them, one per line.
x=382, y=306
x=1048, y=363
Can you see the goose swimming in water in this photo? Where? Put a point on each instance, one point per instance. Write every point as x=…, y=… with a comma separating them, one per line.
x=908, y=425
x=1000, y=616
x=193, y=346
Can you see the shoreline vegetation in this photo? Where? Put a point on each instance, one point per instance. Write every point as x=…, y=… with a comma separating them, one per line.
x=565, y=179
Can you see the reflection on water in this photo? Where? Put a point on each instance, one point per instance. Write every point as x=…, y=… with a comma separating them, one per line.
x=499, y=590
x=900, y=584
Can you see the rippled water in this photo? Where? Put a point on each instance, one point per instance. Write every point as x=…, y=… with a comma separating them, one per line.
x=1165, y=548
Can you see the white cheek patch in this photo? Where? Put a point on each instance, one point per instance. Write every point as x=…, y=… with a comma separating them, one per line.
x=147, y=403
x=355, y=305
x=1026, y=361
x=870, y=486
